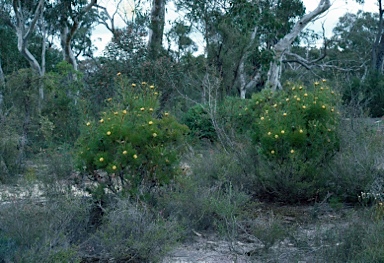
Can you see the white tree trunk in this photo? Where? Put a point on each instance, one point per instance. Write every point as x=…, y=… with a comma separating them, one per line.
x=65, y=41
x=24, y=29
x=242, y=74
x=70, y=23
x=284, y=44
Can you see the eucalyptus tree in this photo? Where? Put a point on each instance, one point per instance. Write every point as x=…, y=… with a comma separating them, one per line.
x=284, y=44
x=71, y=19
x=22, y=17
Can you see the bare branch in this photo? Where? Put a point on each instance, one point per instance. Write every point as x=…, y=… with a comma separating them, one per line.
x=37, y=15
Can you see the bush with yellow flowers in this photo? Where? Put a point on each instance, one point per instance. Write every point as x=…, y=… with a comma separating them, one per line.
x=296, y=134
x=132, y=144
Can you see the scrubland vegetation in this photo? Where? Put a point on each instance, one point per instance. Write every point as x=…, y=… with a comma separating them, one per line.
x=284, y=171
x=260, y=150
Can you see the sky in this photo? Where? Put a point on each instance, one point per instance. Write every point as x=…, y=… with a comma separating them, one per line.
x=338, y=9
x=102, y=36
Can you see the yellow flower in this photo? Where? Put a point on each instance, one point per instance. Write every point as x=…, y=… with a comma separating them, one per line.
x=142, y=109
x=118, y=73
x=124, y=111
x=101, y=121
x=109, y=99
x=109, y=133
x=115, y=113
x=133, y=85
x=329, y=130
x=156, y=93
x=305, y=94
x=125, y=152
x=166, y=114
x=276, y=136
x=150, y=109
x=287, y=99
x=143, y=83
x=154, y=134
x=150, y=122
x=114, y=167
x=262, y=118
x=101, y=159
x=316, y=83
x=298, y=99
x=324, y=80
x=292, y=151
x=301, y=131
x=284, y=114
x=332, y=110
x=323, y=106
x=152, y=87
x=332, y=92
x=282, y=132
x=88, y=123
x=272, y=152
x=269, y=133
x=134, y=156
x=321, y=88
x=300, y=88
x=304, y=106
x=293, y=88
x=275, y=105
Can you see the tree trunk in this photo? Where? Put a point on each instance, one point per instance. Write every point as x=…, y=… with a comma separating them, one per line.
x=156, y=31
x=244, y=86
x=284, y=44
x=66, y=48
x=24, y=33
x=24, y=28
x=2, y=81
x=378, y=46
x=70, y=23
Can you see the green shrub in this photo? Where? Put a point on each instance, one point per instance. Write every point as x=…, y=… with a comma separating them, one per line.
x=211, y=196
x=132, y=233
x=129, y=143
x=10, y=154
x=357, y=167
x=62, y=105
x=232, y=115
x=236, y=115
x=295, y=132
x=199, y=123
x=32, y=232
x=361, y=240
x=367, y=92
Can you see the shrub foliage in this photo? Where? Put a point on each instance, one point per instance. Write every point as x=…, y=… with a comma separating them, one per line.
x=295, y=131
x=132, y=143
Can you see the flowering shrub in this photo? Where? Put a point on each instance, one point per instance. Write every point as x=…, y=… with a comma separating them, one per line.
x=131, y=144
x=296, y=133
